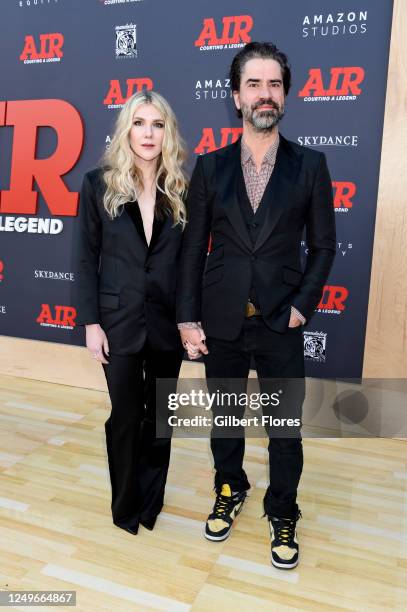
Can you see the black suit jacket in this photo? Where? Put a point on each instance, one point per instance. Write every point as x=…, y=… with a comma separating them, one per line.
x=123, y=284
x=214, y=289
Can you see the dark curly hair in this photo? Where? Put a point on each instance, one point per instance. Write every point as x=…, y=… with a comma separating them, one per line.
x=262, y=50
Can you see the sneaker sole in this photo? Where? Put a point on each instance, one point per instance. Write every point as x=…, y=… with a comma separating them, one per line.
x=284, y=565
x=218, y=539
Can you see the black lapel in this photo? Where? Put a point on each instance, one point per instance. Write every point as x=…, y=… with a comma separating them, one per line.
x=227, y=168
x=158, y=225
x=279, y=186
x=133, y=211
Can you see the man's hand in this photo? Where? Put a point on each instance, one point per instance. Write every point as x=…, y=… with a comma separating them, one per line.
x=193, y=341
x=96, y=342
x=294, y=320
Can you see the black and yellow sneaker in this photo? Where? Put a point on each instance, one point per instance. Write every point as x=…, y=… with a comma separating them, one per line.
x=227, y=507
x=284, y=543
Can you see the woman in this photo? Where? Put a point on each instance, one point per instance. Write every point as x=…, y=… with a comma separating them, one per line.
x=132, y=219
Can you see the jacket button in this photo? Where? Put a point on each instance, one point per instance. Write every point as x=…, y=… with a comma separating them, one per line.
x=149, y=298
x=254, y=257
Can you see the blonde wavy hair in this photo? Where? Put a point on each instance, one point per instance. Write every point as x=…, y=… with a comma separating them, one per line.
x=124, y=179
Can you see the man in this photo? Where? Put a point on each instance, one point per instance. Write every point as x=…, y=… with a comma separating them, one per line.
x=249, y=298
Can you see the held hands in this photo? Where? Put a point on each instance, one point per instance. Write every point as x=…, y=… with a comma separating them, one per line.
x=96, y=342
x=193, y=341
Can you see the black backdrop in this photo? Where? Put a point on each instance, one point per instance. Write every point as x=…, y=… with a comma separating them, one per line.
x=64, y=73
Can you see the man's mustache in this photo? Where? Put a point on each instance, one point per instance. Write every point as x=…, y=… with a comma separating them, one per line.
x=268, y=101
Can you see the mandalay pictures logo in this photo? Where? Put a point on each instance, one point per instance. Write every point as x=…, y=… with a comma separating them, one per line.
x=47, y=48
x=315, y=346
x=233, y=32
x=326, y=25
x=126, y=41
x=342, y=83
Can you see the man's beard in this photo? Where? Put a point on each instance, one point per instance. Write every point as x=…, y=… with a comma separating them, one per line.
x=265, y=120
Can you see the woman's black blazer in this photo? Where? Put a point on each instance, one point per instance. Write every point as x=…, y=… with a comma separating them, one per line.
x=123, y=284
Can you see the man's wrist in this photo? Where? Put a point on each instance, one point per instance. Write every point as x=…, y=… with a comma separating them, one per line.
x=298, y=315
x=189, y=325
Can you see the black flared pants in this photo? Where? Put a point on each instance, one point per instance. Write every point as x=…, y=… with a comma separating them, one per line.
x=138, y=459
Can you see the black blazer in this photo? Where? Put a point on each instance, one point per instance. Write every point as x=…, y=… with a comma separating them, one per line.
x=123, y=284
x=215, y=289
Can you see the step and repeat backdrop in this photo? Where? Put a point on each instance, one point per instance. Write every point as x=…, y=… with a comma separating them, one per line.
x=67, y=67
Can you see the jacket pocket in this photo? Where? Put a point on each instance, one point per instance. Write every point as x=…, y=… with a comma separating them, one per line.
x=109, y=300
x=292, y=277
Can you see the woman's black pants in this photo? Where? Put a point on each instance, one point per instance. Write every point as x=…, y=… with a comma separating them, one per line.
x=138, y=459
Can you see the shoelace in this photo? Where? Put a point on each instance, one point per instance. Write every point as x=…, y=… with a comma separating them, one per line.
x=222, y=505
x=284, y=533
x=284, y=529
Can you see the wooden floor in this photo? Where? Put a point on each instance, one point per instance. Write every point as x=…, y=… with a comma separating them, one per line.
x=56, y=530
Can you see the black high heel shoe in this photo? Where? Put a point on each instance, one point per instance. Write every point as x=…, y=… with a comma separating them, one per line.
x=148, y=522
x=133, y=529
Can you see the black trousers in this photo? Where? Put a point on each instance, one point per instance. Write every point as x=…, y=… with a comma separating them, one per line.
x=138, y=460
x=275, y=356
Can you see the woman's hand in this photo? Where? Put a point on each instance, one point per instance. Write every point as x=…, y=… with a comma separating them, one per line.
x=96, y=342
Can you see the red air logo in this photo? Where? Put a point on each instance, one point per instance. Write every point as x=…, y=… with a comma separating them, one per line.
x=344, y=193
x=341, y=84
x=47, y=49
x=232, y=34
x=228, y=135
x=1, y=270
x=27, y=117
x=62, y=316
x=117, y=96
x=333, y=300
